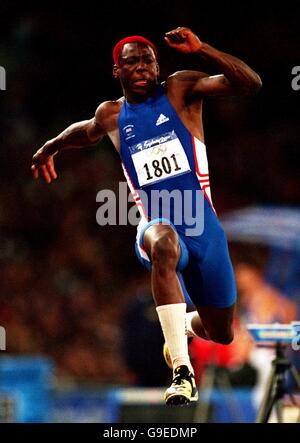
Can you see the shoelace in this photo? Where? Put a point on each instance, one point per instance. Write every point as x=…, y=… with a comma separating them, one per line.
x=178, y=379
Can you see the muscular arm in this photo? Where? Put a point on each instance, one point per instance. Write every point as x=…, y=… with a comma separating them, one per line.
x=237, y=77
x=85, y=133
x=78, y=135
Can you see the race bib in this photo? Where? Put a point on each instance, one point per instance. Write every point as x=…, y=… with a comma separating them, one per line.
x=159, y=158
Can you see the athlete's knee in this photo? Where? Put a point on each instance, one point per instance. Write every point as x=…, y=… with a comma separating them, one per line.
x=220, y=333
x=224, y=337
x=165, y=249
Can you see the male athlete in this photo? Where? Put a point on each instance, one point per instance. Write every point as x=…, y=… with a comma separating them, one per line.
x=157, y=130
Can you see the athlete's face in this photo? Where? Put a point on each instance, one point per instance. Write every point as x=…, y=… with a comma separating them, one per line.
x=137, y=70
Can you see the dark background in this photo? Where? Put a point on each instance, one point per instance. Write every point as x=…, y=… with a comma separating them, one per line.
x=66, y=282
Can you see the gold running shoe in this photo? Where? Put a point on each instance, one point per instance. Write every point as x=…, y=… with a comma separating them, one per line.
x=183, y=389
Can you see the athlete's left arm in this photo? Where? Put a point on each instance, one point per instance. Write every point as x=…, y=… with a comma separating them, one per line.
x=237, y=77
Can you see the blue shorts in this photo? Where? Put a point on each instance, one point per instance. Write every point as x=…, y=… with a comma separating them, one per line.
x=204, y=268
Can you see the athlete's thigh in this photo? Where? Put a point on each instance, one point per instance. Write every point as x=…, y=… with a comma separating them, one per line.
x=210, y=280
x=214, y=304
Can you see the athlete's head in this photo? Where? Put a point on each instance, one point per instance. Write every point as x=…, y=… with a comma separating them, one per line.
x=117, y=51
x=136, y=66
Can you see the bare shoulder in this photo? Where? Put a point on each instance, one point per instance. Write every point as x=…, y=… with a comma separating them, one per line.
x=108, y=108
x=107, y=113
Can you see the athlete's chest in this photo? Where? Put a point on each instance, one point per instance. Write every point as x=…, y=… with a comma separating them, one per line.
x=140, y=123
x=154, y=142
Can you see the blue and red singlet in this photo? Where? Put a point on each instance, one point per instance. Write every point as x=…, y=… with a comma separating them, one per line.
x=167, y=172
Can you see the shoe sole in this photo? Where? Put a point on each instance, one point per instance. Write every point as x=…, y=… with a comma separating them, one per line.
x=177, y=400
x=180, y=400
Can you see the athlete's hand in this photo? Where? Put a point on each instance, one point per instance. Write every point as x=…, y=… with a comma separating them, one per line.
x=44, y=163
x=184, y=40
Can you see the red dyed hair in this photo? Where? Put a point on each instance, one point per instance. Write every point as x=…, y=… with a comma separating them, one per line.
x=117, y=51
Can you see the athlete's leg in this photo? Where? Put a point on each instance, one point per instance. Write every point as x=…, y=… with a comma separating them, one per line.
x=210, y=284
x=161, y=244
x=216, y=323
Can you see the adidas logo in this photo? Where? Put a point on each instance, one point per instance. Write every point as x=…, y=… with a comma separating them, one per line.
x=162, y=119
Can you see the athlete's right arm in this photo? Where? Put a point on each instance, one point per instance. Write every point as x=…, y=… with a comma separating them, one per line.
x=78, y=135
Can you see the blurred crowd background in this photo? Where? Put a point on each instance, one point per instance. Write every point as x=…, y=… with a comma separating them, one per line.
x=69, y=288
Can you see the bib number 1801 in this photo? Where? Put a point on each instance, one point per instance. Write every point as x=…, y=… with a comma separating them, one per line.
x=163, y=166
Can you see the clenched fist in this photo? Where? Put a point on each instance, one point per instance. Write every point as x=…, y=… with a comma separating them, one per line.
x=184, y=40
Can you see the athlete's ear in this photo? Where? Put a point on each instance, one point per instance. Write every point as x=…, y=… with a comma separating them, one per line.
x=116, y=71
x=157, y=69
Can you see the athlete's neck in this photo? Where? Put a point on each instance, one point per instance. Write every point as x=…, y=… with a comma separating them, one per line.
x=135, y=99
